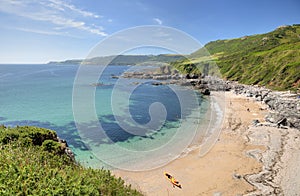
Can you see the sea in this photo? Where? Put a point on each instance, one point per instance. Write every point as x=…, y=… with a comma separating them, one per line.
x=124, y=123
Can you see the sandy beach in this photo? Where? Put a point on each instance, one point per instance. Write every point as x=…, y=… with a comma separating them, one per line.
x=238, y=161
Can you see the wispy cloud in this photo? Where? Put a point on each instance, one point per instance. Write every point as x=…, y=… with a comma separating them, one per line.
x=37, y=31
x=61, y=5
x=56, y=12
x=158, y=21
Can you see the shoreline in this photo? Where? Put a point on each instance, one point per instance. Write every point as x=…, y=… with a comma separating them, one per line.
x=215, y=171
x=247, y=159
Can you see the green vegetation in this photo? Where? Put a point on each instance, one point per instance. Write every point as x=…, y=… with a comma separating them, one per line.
x=271, y=59
x=124, y=60
x=202, y=65
x=32, y=163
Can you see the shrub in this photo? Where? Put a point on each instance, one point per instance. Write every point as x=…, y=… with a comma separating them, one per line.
x=52, y=146
x=34, y=169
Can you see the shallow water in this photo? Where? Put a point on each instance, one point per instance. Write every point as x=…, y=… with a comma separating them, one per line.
x=42, y=95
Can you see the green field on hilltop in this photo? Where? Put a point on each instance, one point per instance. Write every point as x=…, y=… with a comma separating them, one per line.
x=271, y=59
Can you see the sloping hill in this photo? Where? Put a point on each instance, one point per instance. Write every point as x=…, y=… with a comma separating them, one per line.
x=123, y=60
x=271, y=59
x=32, y=162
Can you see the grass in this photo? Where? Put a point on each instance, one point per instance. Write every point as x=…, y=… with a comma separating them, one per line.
x=271, y=59
x=30, y=168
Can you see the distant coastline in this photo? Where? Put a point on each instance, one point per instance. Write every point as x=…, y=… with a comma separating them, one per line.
x=160, y=59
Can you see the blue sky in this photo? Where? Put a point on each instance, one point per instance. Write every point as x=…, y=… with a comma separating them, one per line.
x=37, y=31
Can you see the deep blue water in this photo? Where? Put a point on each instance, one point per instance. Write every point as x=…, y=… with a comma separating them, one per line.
x=41, y=95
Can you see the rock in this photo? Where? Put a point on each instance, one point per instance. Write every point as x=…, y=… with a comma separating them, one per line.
x=284, y=106
x=114, y=76
x=176, y=76
x=205, y=91
x=162, y=77
x=294, y=121
x=273, y=117
x=258, y=98
x=70, y=154
x=193, y=83
x=65, y=147
x=267, y=124
x=64, y=142
x=192, y=76
x=135, y=83
x=237, y=176
x=147, y=76
x=282, y=121
x=156, y=83
x=255, y=122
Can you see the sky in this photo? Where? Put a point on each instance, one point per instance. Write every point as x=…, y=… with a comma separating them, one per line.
x=38, y=31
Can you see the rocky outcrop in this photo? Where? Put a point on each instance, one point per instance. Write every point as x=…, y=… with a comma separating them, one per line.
x=212, y=83
x=284, y=106
x=142, y=75
x=65, y=147
x=280, y=171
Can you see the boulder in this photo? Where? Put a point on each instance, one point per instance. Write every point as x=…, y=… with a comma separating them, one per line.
x=205, y=91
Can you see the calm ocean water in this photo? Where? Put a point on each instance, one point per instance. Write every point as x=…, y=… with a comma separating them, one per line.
x=41, y=95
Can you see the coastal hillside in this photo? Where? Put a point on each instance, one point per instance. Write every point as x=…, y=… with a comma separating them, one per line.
x=271, y=59
x=124, y=60
x=34, y=162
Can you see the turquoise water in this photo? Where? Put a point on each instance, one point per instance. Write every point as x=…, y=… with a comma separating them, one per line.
x=41, y=95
